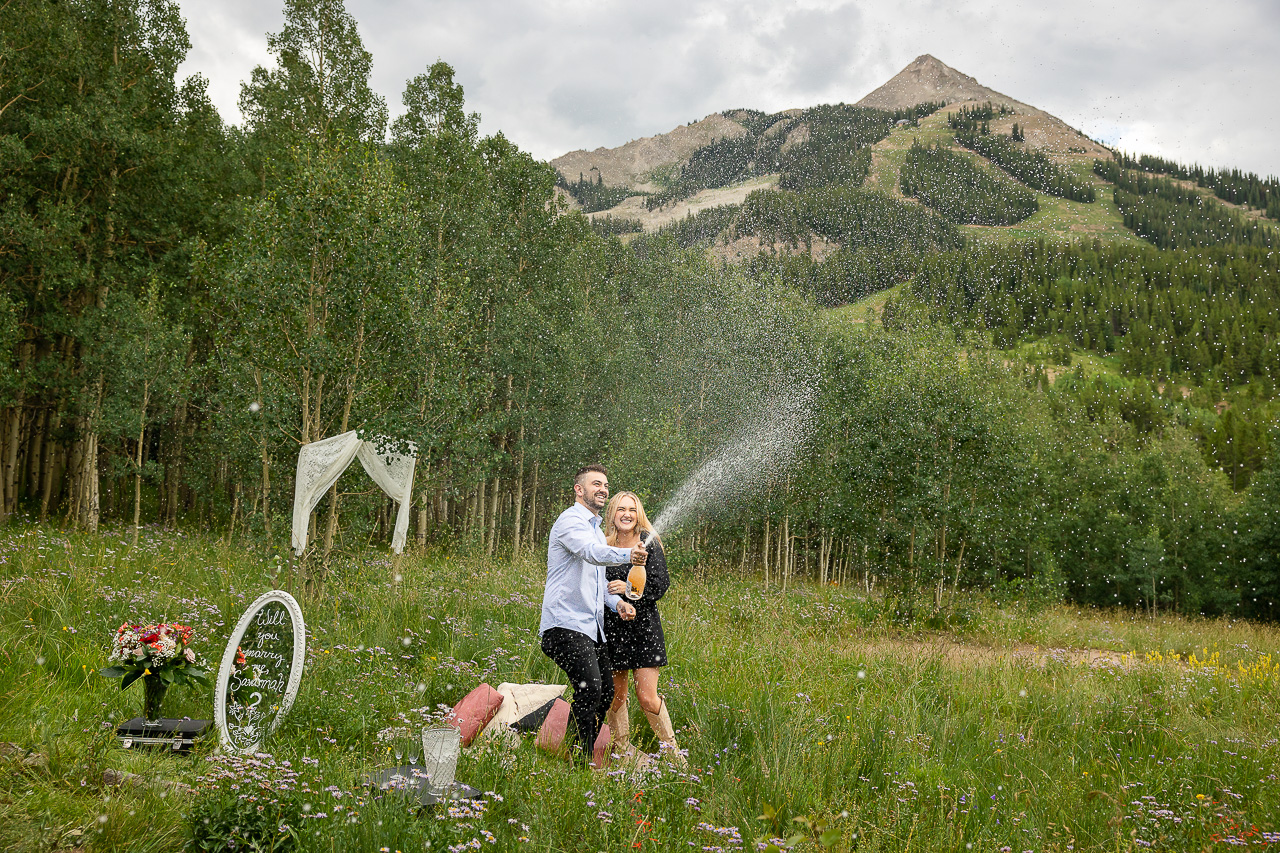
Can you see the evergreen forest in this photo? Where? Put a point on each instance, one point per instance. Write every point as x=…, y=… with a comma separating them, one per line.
x=962, y=191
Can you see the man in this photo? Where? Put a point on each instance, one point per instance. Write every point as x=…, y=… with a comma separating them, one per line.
x=572, y=627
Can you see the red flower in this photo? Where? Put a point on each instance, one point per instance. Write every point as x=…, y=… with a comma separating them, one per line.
x=152, y=638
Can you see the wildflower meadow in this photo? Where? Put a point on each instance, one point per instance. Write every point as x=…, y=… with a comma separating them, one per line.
x=812, y=722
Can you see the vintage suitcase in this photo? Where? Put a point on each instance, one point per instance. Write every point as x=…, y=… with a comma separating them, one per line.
x=174, y=735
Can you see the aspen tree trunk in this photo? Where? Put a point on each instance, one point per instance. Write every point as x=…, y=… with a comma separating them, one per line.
x=779, y=567
x=11, y=424
x=955, y=586
x=518, y=508
x=824, y=555
x=498, y=500
x=420, y=535
x=174, y=470
x=12, y=439
x=805, y=546
x=35, y=452
x=533, y=504
x=137, y=462
x=787, y=554
x=52, y=451
x=266, y=465
x=764, y=552
x=85, y=506
x=331, y=528
x=235, y=510
x=172, y=485
x=305, y=432
x=492, y=539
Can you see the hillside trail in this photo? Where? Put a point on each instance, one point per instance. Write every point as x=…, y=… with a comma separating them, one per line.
x=652, y=220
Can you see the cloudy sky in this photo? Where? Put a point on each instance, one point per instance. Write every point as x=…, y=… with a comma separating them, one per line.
x=1195, y=81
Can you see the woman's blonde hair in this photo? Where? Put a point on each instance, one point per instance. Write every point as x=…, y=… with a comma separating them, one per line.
x=642, y=520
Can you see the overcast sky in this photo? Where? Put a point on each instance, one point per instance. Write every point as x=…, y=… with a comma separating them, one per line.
x=1195, y=81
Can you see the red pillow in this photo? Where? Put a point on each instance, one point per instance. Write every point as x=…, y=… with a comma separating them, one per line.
x=551, y=732
x=600, y=752
x=474, y=712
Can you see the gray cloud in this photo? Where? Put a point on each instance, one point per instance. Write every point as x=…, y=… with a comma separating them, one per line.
x=1178, y=78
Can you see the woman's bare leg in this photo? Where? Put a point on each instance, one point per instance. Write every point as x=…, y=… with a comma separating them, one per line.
x=646, y=689
x=620, y=688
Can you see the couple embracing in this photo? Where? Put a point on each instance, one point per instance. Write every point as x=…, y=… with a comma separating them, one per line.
x=591, y=632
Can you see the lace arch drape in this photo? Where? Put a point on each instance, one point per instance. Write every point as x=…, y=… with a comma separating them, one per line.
x=322, y=462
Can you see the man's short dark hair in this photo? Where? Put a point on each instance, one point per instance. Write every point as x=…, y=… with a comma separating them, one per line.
x=587, y=469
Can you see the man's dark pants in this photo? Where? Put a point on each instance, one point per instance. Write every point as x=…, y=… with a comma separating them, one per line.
x=586, y=662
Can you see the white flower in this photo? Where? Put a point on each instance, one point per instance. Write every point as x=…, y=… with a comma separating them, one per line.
x=189, y=655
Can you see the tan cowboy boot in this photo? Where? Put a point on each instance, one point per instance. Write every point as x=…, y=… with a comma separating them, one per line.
x=620, y=724
x=661, y=723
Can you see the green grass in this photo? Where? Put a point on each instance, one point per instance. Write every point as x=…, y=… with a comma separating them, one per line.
x=863, y=311
x=1043, y=351
x=1057, y=218
x=1004, y=732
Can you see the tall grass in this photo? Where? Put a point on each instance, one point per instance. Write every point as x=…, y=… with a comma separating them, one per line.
x=1050, y=729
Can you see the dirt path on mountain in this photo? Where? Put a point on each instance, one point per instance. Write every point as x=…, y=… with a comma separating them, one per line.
x=652, y=220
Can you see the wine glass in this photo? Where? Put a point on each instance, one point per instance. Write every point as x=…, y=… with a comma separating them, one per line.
x=411, y=748
x=397, y=747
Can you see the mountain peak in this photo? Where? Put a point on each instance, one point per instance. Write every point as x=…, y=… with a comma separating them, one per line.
x=928, y=78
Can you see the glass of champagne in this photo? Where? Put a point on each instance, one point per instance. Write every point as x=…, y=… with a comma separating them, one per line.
x=397, y=746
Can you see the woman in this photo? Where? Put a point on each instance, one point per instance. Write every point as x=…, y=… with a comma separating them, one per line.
x=637, y=645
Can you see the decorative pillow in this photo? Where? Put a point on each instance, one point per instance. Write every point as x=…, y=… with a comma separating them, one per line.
x=552, y=731
x=474, y=712
x=600, y=752
x=518, y=700
x=532, y=721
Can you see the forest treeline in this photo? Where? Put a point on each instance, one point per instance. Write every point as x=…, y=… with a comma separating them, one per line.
x=1171, y=215
x=592, y=195
x=1206, y=316
x=183, y=303
x=1233, y=185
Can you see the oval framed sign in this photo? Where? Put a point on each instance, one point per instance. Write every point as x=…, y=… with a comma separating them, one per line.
x=260, y=672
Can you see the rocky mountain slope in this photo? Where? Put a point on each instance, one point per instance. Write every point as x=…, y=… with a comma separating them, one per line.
x=646, y=164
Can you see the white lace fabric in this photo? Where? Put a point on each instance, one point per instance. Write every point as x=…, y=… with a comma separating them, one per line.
x=322, y=462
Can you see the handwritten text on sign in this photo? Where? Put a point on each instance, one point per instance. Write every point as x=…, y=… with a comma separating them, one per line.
x=257, y=687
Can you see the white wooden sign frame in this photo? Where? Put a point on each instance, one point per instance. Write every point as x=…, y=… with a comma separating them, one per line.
x=229, y=659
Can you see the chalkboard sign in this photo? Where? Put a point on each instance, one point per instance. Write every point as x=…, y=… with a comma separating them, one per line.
x=260, y=671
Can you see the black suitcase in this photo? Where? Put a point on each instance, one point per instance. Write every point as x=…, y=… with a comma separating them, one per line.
x=175, y=735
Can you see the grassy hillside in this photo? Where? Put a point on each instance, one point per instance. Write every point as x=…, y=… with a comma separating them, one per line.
x=1056, y=219
x=1017, y=728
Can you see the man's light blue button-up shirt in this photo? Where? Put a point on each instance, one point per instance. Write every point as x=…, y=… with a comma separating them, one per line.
x=576, y=591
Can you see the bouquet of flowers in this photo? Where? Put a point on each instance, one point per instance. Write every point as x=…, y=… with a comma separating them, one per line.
x=160, y=654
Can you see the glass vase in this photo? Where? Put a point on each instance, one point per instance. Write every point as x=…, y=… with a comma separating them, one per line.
x=153, y=690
